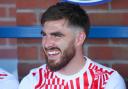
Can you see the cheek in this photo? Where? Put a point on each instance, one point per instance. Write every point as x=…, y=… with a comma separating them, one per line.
x=43, y=41
x=65, y=44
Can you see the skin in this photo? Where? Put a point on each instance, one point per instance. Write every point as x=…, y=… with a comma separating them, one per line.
x=62, y=45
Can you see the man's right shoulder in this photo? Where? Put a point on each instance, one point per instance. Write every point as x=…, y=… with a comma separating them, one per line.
x=35, y=72
x=31, y=79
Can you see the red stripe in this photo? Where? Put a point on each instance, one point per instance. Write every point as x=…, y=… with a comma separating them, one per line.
x=40, y=79
x=58, y=81
x=78, y=83
x=103, y=77
x=101, y=80
x=85, y=81
x=51, y=86
x=66, y=87
x=94, y=82
x=71, y=82
x=48, y=81
x=55, y=87
x=53, y=81
x=106, y=76
x=62, y=82
x=3, y=75
x=93, y=67
x=90, y=66
x=46, y=86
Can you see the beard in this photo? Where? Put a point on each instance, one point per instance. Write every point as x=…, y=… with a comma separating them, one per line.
x=65, y=58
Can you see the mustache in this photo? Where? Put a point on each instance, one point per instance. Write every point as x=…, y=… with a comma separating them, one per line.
x=52, y=48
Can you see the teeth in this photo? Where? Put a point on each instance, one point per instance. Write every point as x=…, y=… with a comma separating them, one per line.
x=53, y=53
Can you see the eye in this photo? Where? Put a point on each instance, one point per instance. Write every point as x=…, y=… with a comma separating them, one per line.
x=57, y=34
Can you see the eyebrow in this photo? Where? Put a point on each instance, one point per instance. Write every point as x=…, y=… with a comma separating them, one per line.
x=57, y=34
x=53, y=33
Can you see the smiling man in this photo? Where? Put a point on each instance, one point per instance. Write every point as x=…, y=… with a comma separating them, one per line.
x=65, y=29
x=58, y=39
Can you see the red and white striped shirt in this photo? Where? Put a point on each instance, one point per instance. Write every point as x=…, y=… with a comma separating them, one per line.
x=92, y=76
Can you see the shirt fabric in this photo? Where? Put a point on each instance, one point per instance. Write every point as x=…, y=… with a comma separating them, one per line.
x=91, y=76
x=7, y=80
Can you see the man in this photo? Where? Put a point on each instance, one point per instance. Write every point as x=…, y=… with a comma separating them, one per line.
x=7, y=80
x=65, y=28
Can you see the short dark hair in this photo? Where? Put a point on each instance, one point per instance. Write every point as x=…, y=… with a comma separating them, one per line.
x=75, y=15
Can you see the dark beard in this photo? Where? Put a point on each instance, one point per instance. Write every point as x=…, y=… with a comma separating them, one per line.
x=65, y=59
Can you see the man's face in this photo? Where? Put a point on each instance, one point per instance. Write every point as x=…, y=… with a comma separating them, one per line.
x=58, y=44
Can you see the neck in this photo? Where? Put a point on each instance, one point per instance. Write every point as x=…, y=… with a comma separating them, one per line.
x=74, y=66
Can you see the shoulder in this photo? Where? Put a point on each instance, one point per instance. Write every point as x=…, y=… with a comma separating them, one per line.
x=7, y=80
x=116, y=81
x=109, y=76
x=34, y=72
x=32, y=78
x=95, y=66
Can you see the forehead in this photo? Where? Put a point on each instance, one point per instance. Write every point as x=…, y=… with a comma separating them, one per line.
x=57, y=25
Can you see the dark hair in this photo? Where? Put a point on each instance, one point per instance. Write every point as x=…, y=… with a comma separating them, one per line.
x=75, y=15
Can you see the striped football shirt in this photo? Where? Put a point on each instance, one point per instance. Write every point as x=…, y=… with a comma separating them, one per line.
x=91, y=76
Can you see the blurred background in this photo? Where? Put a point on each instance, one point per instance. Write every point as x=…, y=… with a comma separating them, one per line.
x=19, y=55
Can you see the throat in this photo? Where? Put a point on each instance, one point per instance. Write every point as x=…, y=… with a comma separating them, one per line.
x=73, y=67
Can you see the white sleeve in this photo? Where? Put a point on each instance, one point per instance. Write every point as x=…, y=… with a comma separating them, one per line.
x=10, y=84
x=9, y=81
x=115, y=82
x=26, y=83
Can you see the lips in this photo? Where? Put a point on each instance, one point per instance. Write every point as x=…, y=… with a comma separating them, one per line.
x=53, y=54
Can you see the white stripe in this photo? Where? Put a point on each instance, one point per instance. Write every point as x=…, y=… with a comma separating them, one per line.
x=53, y=75
x=98, y=82
x=62, y=87
x=53, y=87
x=74, y=84
x=57, y=87
x=46, y=81
x=82, y=82
x=49, y=75
x=60, y=81
x=89, y=79
x=64, y=83
x=48, y=86
x=55, y=81
x=50, y=81
x=69, y=84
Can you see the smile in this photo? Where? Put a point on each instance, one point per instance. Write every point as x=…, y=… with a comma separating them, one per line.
x=53, y=52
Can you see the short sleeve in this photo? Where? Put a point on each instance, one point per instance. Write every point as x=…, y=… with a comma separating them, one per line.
x=115, y=82
x=11, y=83
x=26, y=83
x=7, y=80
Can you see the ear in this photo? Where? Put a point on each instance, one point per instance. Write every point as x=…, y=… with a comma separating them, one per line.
x=80, y=38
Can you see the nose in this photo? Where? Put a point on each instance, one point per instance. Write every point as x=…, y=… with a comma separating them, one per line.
x=47, y=42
